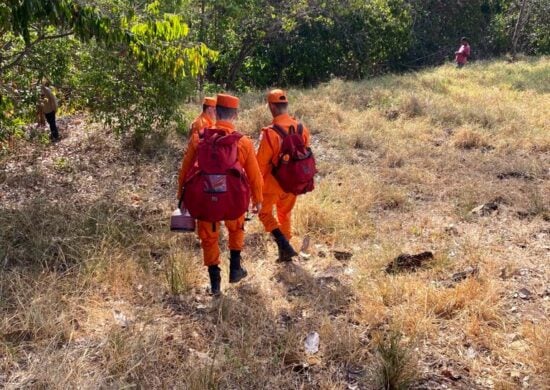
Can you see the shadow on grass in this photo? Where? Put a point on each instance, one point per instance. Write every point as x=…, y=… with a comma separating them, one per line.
x=246, y=343
x=326, y=294
x=56, y=236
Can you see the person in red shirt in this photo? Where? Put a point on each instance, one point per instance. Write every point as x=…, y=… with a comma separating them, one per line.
x=463, y=53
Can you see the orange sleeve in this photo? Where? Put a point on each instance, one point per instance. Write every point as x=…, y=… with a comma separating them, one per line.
x=307, y=136
x=252, y=170
x=195, y=127
x=266, y=153
x=187, y=161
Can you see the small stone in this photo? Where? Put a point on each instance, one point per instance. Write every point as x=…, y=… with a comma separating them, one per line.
x=513, y=337
x=349, y=271
x=305, y=245
x=311, y=344
x=525, y=294
x=469, y=271
x=451, y=229
x=485, y=209
x=120, y=318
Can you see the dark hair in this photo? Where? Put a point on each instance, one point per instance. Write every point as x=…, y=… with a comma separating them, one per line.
x=225, y=112
x=280, y=107
x=204, y=107
x=464, y=39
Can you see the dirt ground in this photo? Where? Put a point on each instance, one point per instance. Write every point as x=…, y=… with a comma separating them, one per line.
x=96, y=292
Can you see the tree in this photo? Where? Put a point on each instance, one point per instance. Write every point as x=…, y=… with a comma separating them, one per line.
x=146, y=44
x=519, y=26
x=262, y=42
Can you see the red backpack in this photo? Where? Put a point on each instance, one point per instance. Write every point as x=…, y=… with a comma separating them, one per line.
x=295, y=169
x=217, y=188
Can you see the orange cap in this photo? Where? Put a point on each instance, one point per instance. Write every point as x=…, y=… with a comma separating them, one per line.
x=277, y=96
x=209, y=101
x=227, y=101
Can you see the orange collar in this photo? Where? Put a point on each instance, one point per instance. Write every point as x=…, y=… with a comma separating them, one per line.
x=207, y=118
x=282, y=118
x=225, y=125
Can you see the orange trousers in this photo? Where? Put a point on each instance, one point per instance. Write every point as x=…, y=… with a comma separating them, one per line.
x=209, y=234
x=284, y=203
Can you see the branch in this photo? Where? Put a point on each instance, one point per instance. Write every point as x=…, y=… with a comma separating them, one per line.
x=19, y=56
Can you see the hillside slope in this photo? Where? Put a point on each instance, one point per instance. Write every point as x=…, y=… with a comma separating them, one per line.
x=96, y=292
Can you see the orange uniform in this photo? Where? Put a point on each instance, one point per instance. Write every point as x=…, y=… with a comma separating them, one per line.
x=208, y=231
x=201, y=122
x=268, y=156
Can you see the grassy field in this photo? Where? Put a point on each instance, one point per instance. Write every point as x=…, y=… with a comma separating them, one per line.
x=96, y=292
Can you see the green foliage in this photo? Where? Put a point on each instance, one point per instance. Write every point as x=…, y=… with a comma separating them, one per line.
x=489, y=24
x=123, y=96
x=535, y=34
x=396, y=369
x=130, y=65
x=296, y=43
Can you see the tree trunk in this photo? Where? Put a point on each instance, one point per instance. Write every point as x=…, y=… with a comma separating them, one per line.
x=518, y=28
x=237, y=64
x=202, y=39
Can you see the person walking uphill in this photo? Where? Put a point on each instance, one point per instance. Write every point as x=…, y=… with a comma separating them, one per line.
x=49, y=108
x=207, y=117
x=463, y=53
x=218, y=176
x=287, y=167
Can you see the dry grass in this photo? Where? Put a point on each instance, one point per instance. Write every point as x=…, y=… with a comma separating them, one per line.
x=96, y=293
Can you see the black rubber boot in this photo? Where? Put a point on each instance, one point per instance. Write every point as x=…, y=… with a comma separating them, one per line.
x=215, y=279
x=236, y=271
x=286, y=251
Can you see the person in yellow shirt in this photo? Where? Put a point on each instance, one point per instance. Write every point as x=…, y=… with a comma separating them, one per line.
x=207, y=117
x=48, y=105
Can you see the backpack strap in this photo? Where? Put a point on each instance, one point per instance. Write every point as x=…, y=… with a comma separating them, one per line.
x=279, y=130
x=208, y=132
x=300, y=129
x=276, y=128
x=201, y=133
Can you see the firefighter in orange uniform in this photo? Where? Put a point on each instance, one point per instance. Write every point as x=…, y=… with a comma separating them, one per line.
x=226, y=113
x=207, y=116
x=268, y=156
